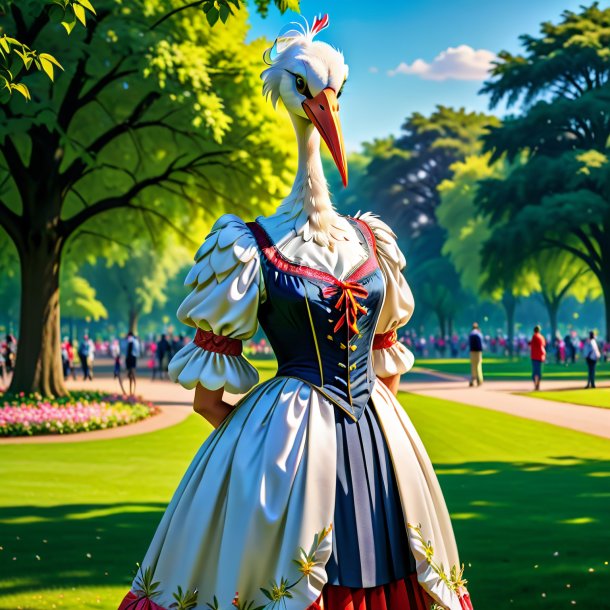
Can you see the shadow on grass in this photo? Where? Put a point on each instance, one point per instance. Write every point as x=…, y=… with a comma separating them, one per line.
x=73, y=545
x=533, y=535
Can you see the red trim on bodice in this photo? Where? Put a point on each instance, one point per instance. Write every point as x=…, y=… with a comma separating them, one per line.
x=279, y=261
x=349, y=289
x=218, y=344
x=385, y=340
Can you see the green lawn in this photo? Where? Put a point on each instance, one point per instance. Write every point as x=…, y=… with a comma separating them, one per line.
x=600, y=397
x=505, y=368
x=530, y=503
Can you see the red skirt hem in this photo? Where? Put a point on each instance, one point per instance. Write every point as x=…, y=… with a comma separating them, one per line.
x=404, y=594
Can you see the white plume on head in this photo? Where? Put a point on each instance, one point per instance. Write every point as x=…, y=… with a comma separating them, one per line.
x=295, y=50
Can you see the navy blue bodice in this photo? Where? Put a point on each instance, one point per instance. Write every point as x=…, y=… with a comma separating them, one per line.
x=322, y=328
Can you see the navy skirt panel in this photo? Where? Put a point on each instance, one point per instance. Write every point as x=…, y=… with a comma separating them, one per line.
x=370, y=542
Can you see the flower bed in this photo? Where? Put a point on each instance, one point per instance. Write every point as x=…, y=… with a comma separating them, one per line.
x=30, y=415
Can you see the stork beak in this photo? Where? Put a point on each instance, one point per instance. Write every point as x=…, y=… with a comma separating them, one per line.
x=323, y=112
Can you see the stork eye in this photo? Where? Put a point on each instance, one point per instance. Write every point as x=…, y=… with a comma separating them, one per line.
x=341, y=90
x=301, y=85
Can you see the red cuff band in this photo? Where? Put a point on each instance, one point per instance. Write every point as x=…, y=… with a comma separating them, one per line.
x=218, y=344
x=385, y=340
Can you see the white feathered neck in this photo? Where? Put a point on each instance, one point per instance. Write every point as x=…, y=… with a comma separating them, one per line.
x=308, y=206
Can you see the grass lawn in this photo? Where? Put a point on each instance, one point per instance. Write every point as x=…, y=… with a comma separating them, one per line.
x=600, y=397
x=530, y=503
x=505, y=368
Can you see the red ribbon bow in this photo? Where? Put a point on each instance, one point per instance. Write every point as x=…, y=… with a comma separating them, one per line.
x=350, y=291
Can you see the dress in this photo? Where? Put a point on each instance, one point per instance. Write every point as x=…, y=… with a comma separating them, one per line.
x=315, y=492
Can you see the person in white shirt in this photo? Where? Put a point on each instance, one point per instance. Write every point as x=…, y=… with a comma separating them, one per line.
x=131, y=360
x=592, y=354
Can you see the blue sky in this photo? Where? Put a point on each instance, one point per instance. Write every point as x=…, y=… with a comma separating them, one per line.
x=374, y=103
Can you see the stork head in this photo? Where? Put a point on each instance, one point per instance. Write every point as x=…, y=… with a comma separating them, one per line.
x=308, y=76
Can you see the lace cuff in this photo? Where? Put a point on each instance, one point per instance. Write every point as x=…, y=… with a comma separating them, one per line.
x=214, y=362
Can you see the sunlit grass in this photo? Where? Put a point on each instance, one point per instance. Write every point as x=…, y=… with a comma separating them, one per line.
x=599, y=397
x=516, y=368
x=77, y=517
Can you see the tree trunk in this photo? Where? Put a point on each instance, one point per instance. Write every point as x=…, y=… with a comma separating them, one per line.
x=553, y=310
x=510, y=304
x=38, y=366
x=450, y=326
x=133, y=320
x=606, y=291
x=442, y=322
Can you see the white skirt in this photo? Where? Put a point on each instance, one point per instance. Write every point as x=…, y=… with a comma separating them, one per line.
x=263, y=485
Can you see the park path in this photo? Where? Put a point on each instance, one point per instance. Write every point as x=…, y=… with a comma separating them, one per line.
x=175, y=403
x=500, y=396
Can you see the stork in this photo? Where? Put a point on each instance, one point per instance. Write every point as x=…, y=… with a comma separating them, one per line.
x=308, y=77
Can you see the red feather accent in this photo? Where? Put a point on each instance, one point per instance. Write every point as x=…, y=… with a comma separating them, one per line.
x=319, y=24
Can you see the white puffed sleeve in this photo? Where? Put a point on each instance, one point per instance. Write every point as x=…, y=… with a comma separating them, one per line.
x=398, y=305
x=223, y=305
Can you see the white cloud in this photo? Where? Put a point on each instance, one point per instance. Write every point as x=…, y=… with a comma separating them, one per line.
x=459, y=63
x=373, y=69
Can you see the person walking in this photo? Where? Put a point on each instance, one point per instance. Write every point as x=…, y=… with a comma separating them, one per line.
x=10, y=351
x=115, y=353
x=592, y=355
x=162, y=356
x=131, y=360
x=475, y=341
x=64, y=358
x=570, y=349
x=85, y=354
x=538, y=355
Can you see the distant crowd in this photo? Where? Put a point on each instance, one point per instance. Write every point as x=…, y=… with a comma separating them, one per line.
x=129, y=351
x=564, y=350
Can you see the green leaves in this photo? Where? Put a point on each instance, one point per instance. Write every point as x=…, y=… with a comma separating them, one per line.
x=74, y=11
x=10, y=50
x=554, y=61
x=184, y=600
x=47, y=63
x=215, y=9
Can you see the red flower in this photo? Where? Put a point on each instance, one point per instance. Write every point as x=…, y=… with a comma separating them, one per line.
x=133, y=602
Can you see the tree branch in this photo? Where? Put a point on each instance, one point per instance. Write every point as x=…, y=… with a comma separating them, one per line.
x=16, y=166
x=555, y=243
x=174, y=12
x=10, y=222
x=73, y=173
x=588, y=244
x=124, y=200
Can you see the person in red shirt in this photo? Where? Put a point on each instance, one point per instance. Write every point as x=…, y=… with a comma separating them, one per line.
x=538, y=355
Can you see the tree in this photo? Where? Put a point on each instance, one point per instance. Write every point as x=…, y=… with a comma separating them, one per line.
x=151, y=128
x=132, y=288
x=560, y=274
x=78, y=298
x=16, y=57
x=402, y=182
x=559, y=197
x=468, y=231
x=404, y=173
x=9, y=286
x=554, y=274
